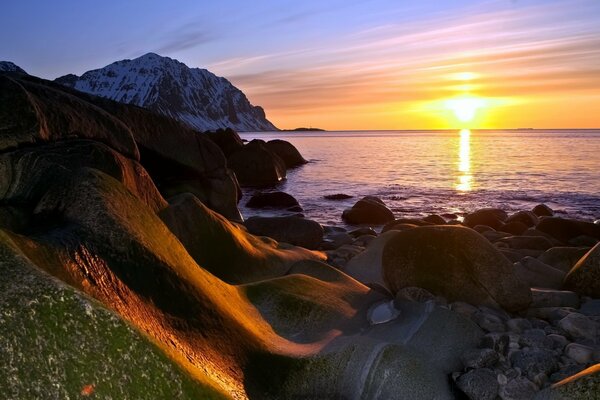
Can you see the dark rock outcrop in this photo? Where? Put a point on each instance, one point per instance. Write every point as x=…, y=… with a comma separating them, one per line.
x=454, y=262
x=584, y=278
x=227, y=139
x=287, y=152
x=368, y=210
x=492, y=217
x=272, y=199
x=566, y=229
x=294, y=230
x=256, y=165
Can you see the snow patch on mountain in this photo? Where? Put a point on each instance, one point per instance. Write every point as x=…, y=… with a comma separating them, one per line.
x=194, y=96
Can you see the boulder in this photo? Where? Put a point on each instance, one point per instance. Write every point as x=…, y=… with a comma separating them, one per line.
x=542, y=210
x=563, y=258
x=256, y=165
x=537, y=274
x=554, y=298
x=584, y=278
x=527, y=242
x=337, y=196
x=580, y=353
x=368, y=210
x=579, y=326
x=227, y=139
x=519, y=388
x=435, y=219
x=534, y=362
x=528, y=218
x=492, y=217
x=366, y=267
x=272, y=199
x=454, y=262
x=566, y=229
x=404, y=223
x=287, y=152
x=515, y=228
x=479, y=358
x=294, y=230
x=479, y=384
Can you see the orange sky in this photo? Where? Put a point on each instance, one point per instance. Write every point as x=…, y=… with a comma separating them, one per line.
x=537, y=66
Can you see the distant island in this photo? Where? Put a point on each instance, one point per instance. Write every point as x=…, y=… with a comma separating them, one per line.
x=302, y=129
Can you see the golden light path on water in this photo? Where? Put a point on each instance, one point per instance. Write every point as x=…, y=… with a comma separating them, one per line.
x=465, y=179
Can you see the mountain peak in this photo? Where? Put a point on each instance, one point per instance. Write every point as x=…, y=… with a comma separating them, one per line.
x=194, y=96
x=7, y=66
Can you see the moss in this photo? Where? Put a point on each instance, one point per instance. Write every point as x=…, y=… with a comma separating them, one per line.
x=57, y=343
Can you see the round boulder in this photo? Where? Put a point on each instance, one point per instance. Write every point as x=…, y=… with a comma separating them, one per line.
x=456, y=263
x=287, y=152
x=368, y=210
x=492, y=217
x=256, y=165
x=294, y=230
x=584, y=278
x=542, y=210
x=272, y=199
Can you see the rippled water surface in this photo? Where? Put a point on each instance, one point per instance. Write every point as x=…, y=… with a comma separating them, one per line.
x=422, y=172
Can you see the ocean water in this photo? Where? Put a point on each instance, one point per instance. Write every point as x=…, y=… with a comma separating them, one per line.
x=417, y=173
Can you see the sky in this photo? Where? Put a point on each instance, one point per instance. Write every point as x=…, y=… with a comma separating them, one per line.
x=344, y=65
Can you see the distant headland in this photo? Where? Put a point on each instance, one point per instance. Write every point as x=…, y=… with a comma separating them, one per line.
x=303, y=129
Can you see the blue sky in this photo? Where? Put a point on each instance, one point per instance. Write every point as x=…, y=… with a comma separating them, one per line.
x=316, y=61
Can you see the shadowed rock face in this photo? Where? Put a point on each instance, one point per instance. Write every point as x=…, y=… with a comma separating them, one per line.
x=455, y=262
x=256, y=165
x=584, y=278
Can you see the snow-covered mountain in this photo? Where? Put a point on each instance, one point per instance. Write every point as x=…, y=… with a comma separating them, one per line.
x=7, y=66
x=194, y=96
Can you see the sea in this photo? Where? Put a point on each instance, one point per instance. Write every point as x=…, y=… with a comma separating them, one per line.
x=418, y=173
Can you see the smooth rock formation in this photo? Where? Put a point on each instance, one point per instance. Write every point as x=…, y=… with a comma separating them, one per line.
x=294, y=230
x=454, y=262
x=542, y=210
x=272, y=199
x=563, y=258
x=256, y=165
x=366, y=267
x=368, y=210
x=537, y=274
x=566, y=229
x=554, y=298
x=584, y=278
x=228, y=140
x=491, y=217
x=287, y=152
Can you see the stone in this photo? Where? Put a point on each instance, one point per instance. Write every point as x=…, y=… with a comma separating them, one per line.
x=483, y=228
x=456, y=263
x=584, y=278
x=548, y=313
x=566, y=372
x=511, y=254
x=499, y=342
x=368, y=210
x=435, y=219
x=366, y=267
x=527, y=242
x=583, y=385
x=514, y=228
x=583, y=241
x=566, y=229
x=287, y=152
x=527, y=218
x=558, y=341
x=535, y=338
x=542, y=210
x=579, y=326
x=294, y=230
x=491, y=217
x=494, y=236
x=337, y=196
x=363, y=240
x=534, y=361
x=591, y=308
x=554, y=298
x=480, y=384
x=382, y=312
x=463, y=308
x=519, y=388
x=518, y=325
x=535, y=273
x=227, y=139
x=414, y=294
x=580, y=353
x=339, y=239
x=479, y=358
x=401, y=224
x=272, y=199
x=564, y=258
x=488, y=322
x=363, y=231
x=256, y=165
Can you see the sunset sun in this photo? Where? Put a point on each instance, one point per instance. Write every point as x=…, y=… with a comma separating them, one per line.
x=465, y=108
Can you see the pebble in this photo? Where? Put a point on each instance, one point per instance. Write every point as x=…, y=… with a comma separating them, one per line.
x=558, y=341
x=480, y=384
x=479, y=358
x=534, y=361
x=488, y=321
x=580, y=353
x=496, y=341
x=535, y=338
x=518, y=325
x=578, y=326
x=518, y=389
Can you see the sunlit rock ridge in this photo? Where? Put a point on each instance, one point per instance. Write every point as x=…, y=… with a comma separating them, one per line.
x=194, y=96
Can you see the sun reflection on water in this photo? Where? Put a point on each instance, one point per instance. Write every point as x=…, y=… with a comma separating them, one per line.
x=464, y=162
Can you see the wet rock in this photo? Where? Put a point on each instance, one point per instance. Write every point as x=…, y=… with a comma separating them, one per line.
x=554, y=298
x=563, y=258
x=534, y=362
x=294, y=230
x=519, y=388
x=518, y=325
x=272, y=199
x=492, y=217
x=366, y=267
x=527, y=242
x=339, y=239
x=479, y=384
x=368, y=210
x=579, y=326
x=535, y=273
x=256, y=165
x=382, y=312
x=542, y=210
x=363, y=231
x=337, y=196
x=363, y=240
x=435, y=219
x=287, y=152
x=479, y=358
x=584, y=278
x=580, y=353
x=566, y=229
x=454, y=262
x=527, y=218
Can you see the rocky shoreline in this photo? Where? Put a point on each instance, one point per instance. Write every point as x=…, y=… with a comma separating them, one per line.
x=122, y=226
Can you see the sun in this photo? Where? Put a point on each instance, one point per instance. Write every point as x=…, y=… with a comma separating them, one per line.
x=465, y=108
